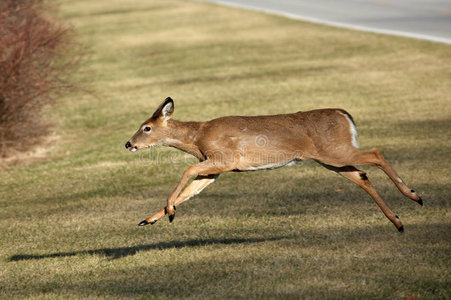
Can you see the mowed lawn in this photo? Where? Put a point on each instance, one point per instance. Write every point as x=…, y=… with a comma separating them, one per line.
x=69, y=211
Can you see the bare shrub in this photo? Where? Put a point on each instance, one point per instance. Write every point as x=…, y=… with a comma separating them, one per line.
x=36, y=56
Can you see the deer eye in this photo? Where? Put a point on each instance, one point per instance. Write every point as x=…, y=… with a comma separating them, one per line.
x=147, y=128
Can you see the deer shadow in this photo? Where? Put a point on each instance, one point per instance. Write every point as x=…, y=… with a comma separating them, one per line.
x=115, y=253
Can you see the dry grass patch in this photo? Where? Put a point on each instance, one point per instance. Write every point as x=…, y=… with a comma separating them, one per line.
x=68, y=224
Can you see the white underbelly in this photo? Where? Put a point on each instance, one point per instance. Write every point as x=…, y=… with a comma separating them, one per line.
x=271, y=166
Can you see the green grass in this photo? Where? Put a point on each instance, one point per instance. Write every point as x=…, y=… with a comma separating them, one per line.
x=68, y=212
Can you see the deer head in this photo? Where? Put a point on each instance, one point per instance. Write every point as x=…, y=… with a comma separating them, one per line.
x=154, y=130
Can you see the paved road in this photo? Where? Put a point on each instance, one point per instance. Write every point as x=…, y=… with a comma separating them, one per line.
x=423, y=19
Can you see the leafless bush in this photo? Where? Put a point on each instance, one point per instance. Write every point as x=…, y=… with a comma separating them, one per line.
x=36, y=56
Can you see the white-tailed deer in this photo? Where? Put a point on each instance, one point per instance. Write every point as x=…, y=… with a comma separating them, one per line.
x=236, y=143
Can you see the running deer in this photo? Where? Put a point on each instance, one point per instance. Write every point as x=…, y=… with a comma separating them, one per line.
x=238, y=143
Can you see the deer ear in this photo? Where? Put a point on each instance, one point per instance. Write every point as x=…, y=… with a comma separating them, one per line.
x=165, y=110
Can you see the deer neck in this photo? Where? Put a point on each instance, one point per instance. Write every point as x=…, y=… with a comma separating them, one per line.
x=182, y=136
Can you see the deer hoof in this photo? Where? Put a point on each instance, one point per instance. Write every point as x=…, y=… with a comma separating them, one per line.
x=420, y=201
x=171, y=217
x=143, y=223
x=401, y=229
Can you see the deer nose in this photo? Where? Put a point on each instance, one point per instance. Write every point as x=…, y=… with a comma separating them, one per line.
x=128, y=145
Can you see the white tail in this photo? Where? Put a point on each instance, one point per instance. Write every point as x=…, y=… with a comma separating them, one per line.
x=237, y=143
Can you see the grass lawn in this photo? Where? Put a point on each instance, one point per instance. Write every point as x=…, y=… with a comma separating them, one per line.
x=69, y=212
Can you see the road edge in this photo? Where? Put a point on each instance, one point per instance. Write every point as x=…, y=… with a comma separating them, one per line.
x=405, y=34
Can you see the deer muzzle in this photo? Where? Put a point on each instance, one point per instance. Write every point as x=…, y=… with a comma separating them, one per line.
x=129, y=147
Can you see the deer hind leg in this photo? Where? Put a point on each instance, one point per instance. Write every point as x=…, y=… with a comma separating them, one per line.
x=359, y=177
x=374, y=157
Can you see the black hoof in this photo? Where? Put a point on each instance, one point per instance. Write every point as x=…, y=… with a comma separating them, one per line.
x=171, y=217
x=143, y=223
x=420, y=201
x=401, y=229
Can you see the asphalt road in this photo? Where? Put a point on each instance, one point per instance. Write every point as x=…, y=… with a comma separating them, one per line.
x=421, y=19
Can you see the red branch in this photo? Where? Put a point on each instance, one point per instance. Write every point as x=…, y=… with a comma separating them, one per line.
x=36, y=56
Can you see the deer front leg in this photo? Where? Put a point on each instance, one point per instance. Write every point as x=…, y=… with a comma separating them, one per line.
x=207, y=172
x=192, y=189
x=205, y=168
x=153, y=219
x=195, y=188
